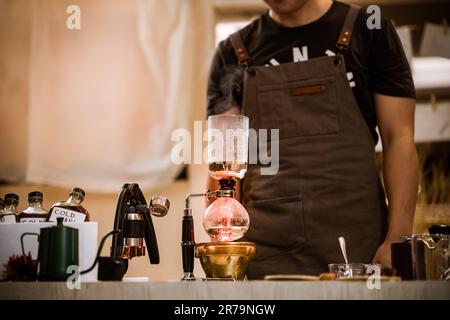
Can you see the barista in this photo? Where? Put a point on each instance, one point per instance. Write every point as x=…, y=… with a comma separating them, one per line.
x=315, y=71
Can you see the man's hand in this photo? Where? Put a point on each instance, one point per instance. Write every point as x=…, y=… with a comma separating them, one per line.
x=400, y=168
x=383, y=255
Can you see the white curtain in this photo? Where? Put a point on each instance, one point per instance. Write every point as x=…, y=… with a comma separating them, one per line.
x=104, y=100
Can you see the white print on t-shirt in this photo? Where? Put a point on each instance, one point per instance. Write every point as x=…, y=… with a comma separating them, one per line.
x=273, y=62
x=302, y=55
x=350, y=77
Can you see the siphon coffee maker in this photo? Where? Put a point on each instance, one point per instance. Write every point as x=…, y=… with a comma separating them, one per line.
x=225, y=220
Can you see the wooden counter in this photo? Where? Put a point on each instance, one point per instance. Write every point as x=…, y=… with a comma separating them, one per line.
x=250, y=290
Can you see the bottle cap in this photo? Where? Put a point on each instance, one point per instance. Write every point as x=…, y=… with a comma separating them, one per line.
x=12, y=196
x=36, y=194
x=59, y=221
x=78, y=190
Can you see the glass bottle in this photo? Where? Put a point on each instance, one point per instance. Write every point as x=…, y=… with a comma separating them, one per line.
x=34, y=213
x=71, y=209
x=226, y=219
x=9, y=213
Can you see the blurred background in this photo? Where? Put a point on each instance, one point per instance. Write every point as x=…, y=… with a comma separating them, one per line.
x=95, y=107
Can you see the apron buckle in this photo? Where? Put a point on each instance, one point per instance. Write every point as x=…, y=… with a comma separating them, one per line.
x=247, y=67
x=337, y=59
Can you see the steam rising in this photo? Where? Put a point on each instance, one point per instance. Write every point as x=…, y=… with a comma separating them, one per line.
x=231, y=88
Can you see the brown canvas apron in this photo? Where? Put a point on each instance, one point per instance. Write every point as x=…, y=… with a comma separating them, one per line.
x=327, y=184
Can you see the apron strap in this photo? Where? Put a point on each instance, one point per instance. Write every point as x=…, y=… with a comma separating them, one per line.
x=347, y=29
x=241, y=52
x=239, y=48
x=342, y=43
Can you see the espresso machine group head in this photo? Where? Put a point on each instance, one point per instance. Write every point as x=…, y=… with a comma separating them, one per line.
x=134, y=224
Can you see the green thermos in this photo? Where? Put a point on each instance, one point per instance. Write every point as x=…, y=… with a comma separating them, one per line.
x=58, y=249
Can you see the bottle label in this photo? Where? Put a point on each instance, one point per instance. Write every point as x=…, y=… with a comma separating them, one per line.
x=67, y=214
x=7, y=218
x=32, y=220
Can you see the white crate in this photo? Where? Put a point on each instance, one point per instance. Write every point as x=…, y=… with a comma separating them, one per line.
x=87, y=246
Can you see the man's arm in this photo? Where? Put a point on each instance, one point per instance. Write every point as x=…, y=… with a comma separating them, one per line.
x=400, y=167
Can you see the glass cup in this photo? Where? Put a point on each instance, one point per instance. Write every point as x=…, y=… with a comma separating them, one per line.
x=343, y=270
x=228, y=146
x=373, y=268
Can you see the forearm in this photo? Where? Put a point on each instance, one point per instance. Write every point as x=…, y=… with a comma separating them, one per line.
x=401, y=178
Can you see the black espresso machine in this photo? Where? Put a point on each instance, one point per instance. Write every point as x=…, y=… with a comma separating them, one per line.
x=132, y=226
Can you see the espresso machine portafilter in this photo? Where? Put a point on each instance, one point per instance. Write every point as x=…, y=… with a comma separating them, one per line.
x=134, y=224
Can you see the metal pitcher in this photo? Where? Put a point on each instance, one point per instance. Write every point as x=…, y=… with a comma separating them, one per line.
x=430, y=256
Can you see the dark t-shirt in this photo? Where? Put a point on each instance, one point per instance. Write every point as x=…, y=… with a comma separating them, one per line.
x=375, y=61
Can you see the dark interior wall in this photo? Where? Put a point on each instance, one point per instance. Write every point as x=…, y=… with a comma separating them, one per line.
x=416, y=15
